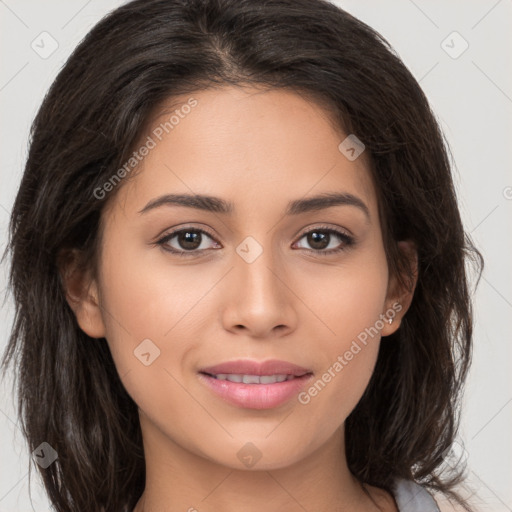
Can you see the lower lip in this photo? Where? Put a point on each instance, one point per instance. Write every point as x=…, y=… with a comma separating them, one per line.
x=256, y=396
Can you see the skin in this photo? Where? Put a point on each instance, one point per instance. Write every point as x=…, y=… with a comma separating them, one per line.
x=259, y=149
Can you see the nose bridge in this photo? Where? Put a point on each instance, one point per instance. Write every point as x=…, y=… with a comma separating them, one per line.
x=261, y=300
x=257, y=269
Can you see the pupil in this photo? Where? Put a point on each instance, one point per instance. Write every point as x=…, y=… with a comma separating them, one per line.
x=318, y=240
x=189, y=240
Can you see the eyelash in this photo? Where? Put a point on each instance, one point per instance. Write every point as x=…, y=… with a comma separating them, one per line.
x=347, y=241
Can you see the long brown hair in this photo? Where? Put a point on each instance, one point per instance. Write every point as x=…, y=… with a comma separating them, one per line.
x=146, y=51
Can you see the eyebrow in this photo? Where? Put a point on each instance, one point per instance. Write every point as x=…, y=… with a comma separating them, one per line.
x=296, y=207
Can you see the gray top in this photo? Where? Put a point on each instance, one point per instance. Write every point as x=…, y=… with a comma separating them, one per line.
x=412, y=497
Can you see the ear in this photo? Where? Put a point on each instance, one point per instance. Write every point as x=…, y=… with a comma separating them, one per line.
x=81, y=292
x=399, y=297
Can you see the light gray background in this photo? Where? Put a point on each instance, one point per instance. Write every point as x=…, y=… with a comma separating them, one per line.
x=470, y=94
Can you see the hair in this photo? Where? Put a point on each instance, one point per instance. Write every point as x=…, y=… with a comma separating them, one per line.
x=145, y=53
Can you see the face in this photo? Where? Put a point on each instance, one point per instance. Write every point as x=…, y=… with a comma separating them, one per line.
x=181, y=289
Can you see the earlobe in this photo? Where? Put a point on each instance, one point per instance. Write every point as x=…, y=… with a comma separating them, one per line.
x=82, y=294
x=399, y=296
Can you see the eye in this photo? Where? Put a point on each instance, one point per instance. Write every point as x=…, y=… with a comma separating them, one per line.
x=321, y=238
x=188, y=241
x=191, y=241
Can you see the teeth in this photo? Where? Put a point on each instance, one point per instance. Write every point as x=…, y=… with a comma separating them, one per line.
x=253, y=379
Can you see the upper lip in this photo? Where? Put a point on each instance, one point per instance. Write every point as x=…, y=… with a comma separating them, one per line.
x=250, y=367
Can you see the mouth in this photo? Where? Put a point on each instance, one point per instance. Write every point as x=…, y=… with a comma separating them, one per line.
x=249, y=391
x=254, y=379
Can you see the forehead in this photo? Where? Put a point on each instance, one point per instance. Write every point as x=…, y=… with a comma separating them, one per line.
x=248, y=145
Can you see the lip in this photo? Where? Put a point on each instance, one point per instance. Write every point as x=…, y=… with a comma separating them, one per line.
x=250, y=367
x=256, y=396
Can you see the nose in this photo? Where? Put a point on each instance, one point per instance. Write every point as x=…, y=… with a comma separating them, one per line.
x=259, y=297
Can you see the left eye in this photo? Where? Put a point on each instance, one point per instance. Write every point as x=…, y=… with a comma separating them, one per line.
x=321, y=238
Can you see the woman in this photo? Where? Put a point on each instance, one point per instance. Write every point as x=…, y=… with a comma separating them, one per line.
x=238, y=267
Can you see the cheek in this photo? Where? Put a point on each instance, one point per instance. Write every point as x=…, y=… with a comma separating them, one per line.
x=349, y=362
x=350, y=306
x=144, y=296
x=348, y=298
x=151, y=315
x=154, y=315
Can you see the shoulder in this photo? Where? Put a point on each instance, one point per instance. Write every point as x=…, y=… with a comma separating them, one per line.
x=412, y=497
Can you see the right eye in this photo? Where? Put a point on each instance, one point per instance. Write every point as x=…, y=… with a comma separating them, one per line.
x=189, y=241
